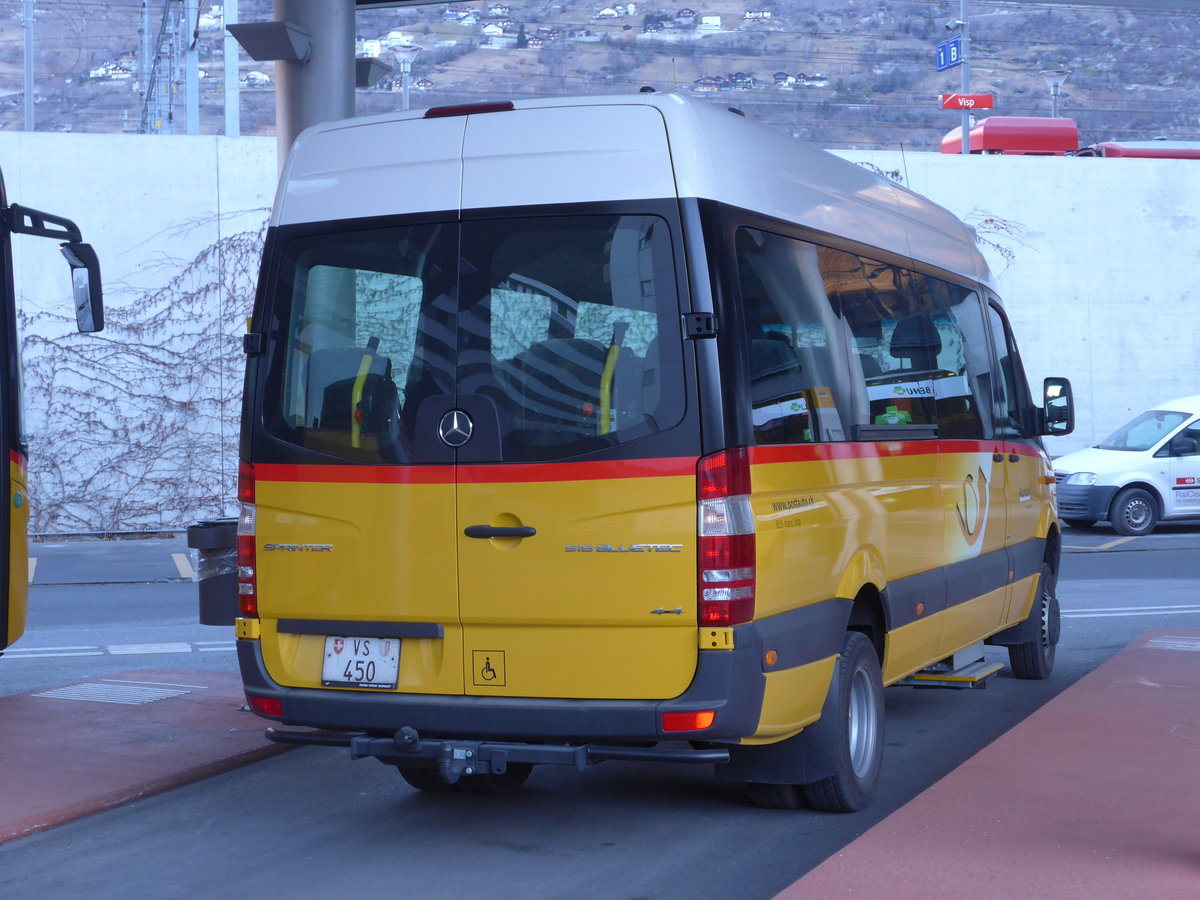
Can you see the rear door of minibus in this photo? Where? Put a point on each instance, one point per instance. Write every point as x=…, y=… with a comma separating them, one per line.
x=476, y=440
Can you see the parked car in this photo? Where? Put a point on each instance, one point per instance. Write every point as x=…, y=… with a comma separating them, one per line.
x=1147, y=471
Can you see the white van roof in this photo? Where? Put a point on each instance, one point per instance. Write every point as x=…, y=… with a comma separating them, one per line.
x=606, y=148
x=1189, y=405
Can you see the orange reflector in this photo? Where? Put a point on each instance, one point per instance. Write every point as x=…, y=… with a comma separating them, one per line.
x=687, y=721
x=771, y=658
x=920, y=609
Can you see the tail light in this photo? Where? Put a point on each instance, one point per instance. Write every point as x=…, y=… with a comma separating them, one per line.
x=726, y=538
x=247, y=514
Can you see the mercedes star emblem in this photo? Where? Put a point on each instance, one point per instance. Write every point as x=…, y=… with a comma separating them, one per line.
x=455, y=428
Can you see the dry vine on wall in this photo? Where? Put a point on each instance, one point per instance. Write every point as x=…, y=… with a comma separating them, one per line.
x=136, y=428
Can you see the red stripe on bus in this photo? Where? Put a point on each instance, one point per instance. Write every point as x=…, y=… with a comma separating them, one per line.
x=515, y=473
x=354, y=474
x=503, y=473
x=15, y=456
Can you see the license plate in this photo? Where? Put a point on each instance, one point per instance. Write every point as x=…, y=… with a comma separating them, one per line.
x=364, y=662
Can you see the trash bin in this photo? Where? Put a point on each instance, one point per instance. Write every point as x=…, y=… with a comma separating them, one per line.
x=216, y=571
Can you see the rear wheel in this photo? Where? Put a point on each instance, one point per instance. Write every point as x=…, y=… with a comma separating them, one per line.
x=491, y=783
x=424, y=778
x=775, y=796
x=1134, y=512
x=1035, y=659
x=859, y=711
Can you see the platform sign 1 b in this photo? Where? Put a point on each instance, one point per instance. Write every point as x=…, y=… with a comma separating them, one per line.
x=967, y=101
x=949, y=54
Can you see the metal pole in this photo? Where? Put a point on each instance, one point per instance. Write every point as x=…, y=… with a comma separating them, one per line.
x=29, y=86
x=1054, y=100
x=321, y=89
x=966, y=77
x=233, y=95
x=146, y=54
x=191, y=64
x=405, y=70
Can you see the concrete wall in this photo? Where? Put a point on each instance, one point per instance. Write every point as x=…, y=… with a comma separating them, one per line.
x=1095, y=259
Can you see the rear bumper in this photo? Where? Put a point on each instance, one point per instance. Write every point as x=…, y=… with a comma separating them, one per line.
x=729, y=682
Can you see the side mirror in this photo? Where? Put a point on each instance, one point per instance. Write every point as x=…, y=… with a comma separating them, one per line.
x=1184, y=446
x=1058, y=415
x=85, y=284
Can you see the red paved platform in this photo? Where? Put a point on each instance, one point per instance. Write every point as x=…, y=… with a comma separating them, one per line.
x=71, y=751
x=1097, y=794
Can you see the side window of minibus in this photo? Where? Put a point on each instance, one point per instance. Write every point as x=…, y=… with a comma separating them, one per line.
x=897, y=344
x=962, y=380
x=1010, y=397
x=793, y=341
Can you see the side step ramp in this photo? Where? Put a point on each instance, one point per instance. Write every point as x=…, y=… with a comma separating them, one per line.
x=965, y=669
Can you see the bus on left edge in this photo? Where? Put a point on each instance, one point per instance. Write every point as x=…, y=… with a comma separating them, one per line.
x=89, y=315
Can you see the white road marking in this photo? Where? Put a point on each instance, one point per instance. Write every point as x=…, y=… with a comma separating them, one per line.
x=32, y=567
x=129, y=649
x=183, y=564
x=15, y=653
x=1147, y=611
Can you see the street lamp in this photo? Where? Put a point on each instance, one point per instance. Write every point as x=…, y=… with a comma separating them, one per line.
x=1054, y=79
x=405, y=56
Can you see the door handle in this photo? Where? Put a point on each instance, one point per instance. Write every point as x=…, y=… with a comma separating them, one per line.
x=499, y=531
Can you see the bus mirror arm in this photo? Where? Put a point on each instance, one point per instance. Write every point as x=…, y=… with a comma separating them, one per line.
x=85, y=285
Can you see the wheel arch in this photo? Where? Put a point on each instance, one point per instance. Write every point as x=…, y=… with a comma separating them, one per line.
x=1146, y=486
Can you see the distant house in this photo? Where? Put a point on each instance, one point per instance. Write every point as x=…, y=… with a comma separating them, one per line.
x=711, y=24
x=457, y=13
x=743, y=81
x=785, y=79
x=607, y=13
x=687, y=15
x=424, y=84
x=110, y=71
x=214, y=18
x=499, y=10
x=652, y=27
x=536, y=43
x=705, y=85
x=493, y=30
x=757, y=14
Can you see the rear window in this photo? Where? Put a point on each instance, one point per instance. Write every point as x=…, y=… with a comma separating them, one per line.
x=567, y=326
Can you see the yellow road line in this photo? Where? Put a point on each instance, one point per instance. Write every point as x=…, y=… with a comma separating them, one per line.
x=1115, y=543
x=183, y=564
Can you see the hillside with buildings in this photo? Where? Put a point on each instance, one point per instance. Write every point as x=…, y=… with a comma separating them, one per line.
x=856, y=73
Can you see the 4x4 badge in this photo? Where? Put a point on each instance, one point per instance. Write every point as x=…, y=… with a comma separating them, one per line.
x=455, y=428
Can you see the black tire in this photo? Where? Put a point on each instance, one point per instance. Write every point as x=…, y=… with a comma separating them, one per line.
x=490, y=783
x=859, y=707
x=1134, y=512
x=1079, y=523
x=424, y=778
x=775, y=796
x=1035, y=659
